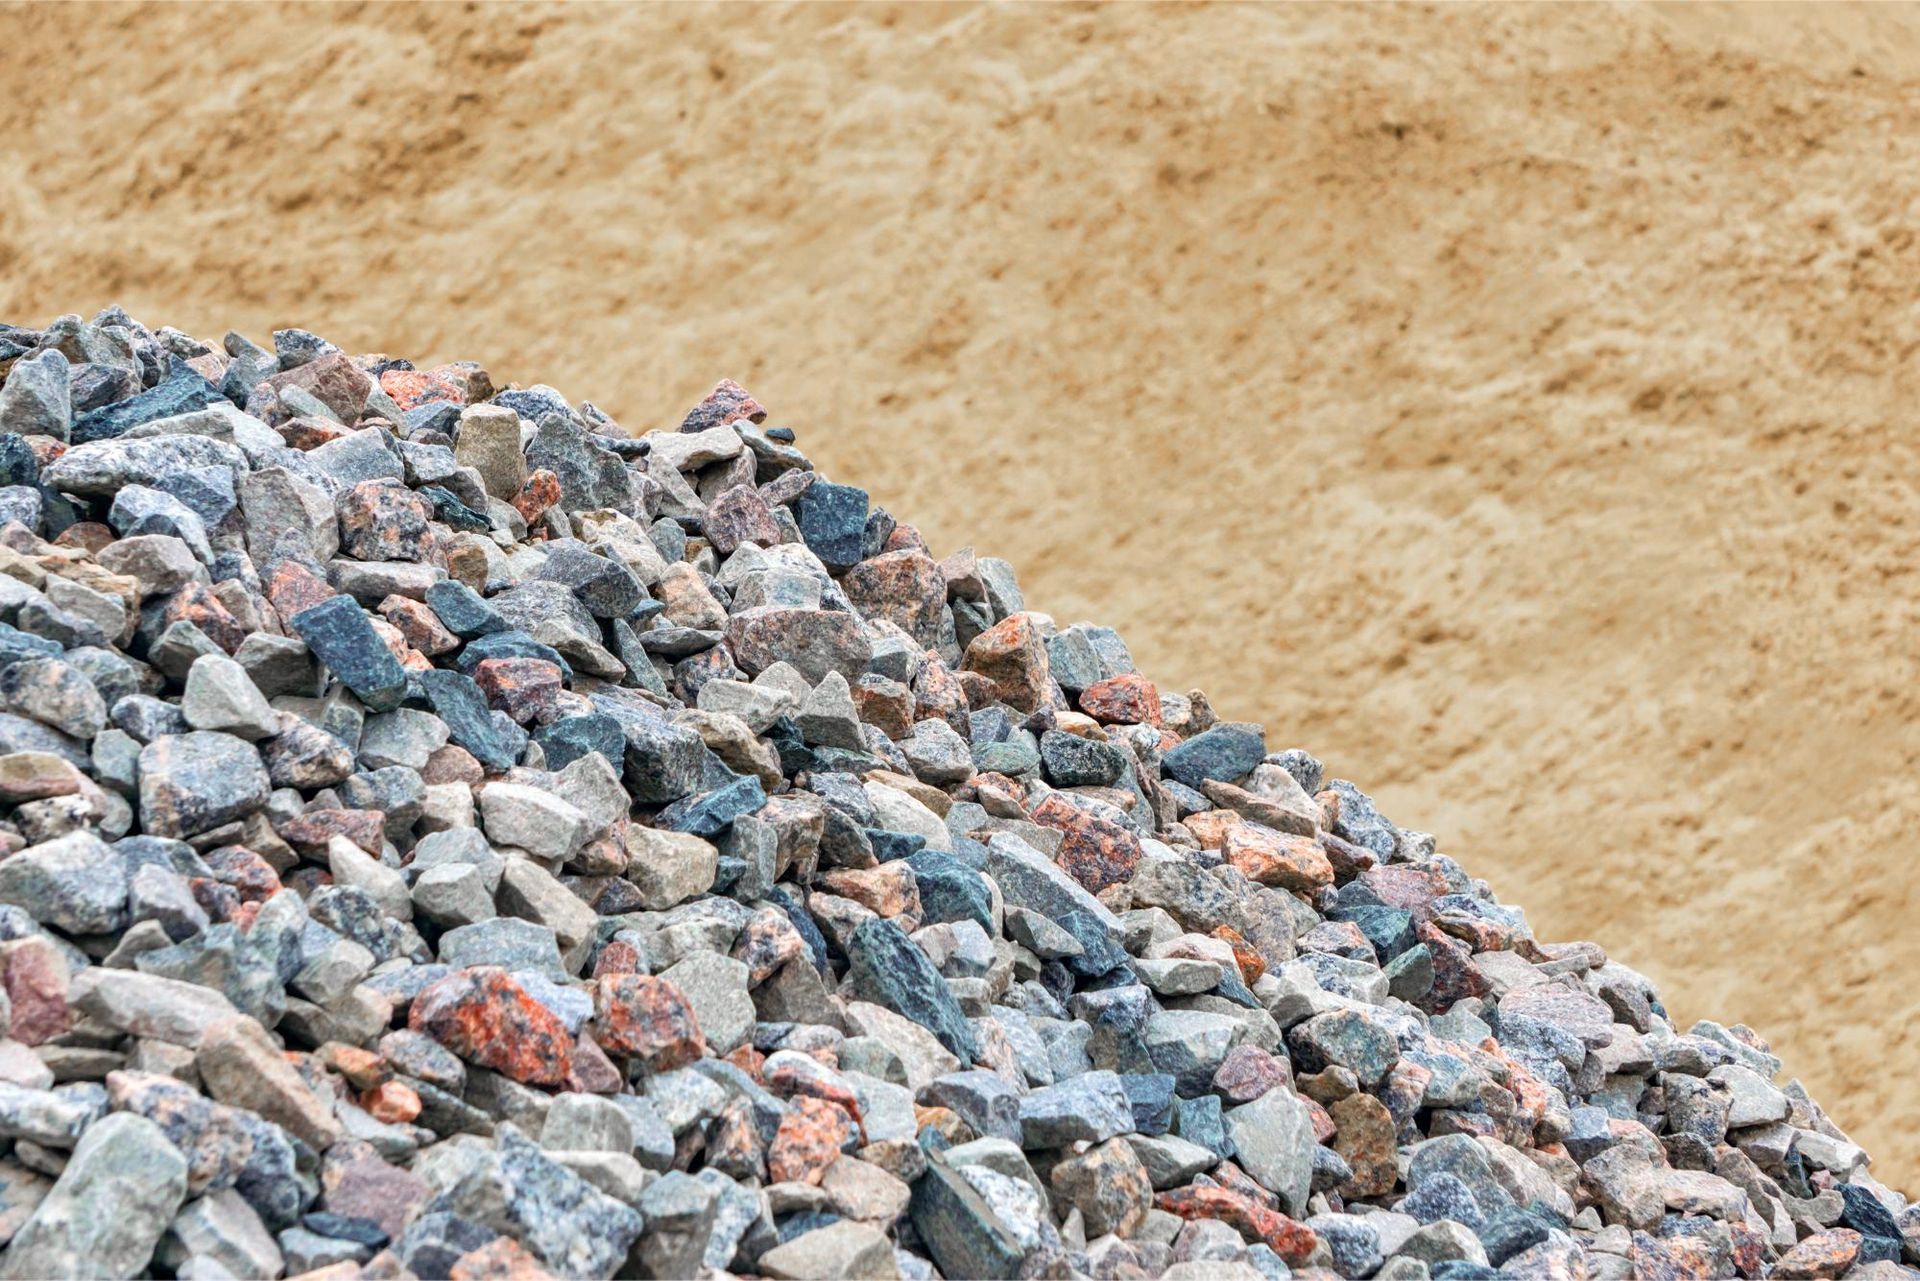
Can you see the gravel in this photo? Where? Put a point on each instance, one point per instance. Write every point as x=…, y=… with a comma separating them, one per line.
x=446, y=833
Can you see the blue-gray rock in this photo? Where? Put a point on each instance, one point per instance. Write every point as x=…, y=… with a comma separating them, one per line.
x=456, y=700
x=1201, y=1120
x=711, y=813
x=591, y=477
x=982, y=1099
x=1225, y=753
x=339, y=634
x=1153, y=1096
x=464, y=611
x=1072, y=760
x=19, y=465
x=960, y=1231
x=1093, y=1107
x=1360, y=822
x=663, y=760
x=833, y=521
x=889, y=969
x=1351, y=1240
x=1509, y=1231
x=568, y=739
x=510, y=644
x=1353, y=1039
x=192, y=783
x=563, y=1221
x=1274, y=1142
x=181, y=392
x=949, y=890
x=105, y=1215
x=1442, y=1196
x=606, y=587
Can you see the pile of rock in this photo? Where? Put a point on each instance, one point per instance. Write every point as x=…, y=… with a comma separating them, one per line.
x=446, y=836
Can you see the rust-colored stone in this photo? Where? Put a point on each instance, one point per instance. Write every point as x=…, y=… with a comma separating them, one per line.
x=1292, y=1241
x=903, y=587
x=391, y=1103
x=195, y=603
x=1131, y=699
x=1363, y=1135
x=1271, y=858
x=1096, y=851
x=1455, y=976
x=35, y=976
x=1245, y=955
x=412, y=388
x=1247, y=1073
x=527, y=689
x=888, y=890
x=642, y=1017
x=541, y=491
x=501, y=1259
x=420, y=626
x=485, y=1017
x=309, y=833
x=1012, y=656
x=616, y=956
x=809, y=1140
x=251, y=876
x=728, y=402
x=292, y=587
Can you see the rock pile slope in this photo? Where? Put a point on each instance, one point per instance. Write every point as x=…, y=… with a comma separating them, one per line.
x=449, y=836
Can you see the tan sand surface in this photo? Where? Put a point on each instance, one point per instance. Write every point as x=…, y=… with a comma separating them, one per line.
x=1516, y=406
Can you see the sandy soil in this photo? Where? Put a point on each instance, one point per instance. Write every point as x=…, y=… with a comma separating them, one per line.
x=1514, y=406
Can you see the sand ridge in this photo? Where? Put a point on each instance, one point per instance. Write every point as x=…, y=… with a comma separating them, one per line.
x=1511, y=405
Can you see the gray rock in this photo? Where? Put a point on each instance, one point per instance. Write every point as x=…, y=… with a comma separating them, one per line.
x=36, y=400
x=107, y=1212
x=716, y=987
x=74, y=883
x=220, y=695
x=1274, y=1139
x=1093, y=1107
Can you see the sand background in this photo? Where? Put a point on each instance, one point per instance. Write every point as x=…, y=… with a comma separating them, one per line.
x=1514, y=406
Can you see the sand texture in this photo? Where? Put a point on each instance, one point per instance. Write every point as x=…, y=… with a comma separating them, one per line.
x=1514, y=406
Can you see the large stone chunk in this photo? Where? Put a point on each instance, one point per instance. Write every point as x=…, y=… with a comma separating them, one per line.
x=1223, y=753
x=488, y=440
x=147, y=1005
x=833, y=521
x=590, y=476
x=192, y=783
x=106, y=1214
x=538, y=822
x=890, y=970
x=36, y=400
x=487, y=1018
x=241, y=1066
x=1275, y=1141
x=669, y=867
x=103, y=468
x=843, y=1251
x=565, y=1223
x=340, y=635
x=813, y=641
x=221, y=696
x=1092, y=1107
x=1012, y=657
x=904, y=588
x=74, y=883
